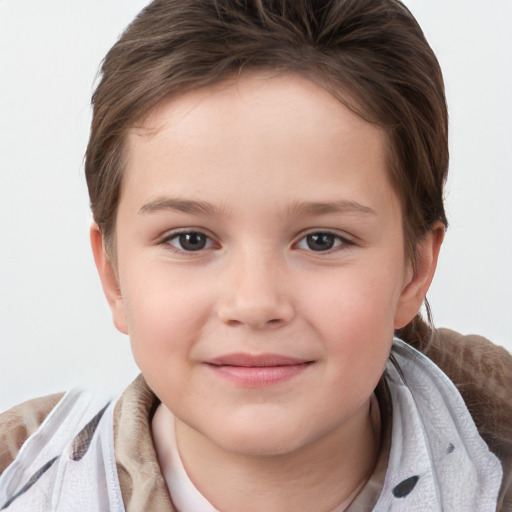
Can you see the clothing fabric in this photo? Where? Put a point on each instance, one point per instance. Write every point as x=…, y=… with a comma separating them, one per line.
x=69, y=463
x=435, y=454
x=438, y=461
x=482, y=372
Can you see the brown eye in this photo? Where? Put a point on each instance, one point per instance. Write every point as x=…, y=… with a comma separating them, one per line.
x=321, y=241
x=191, y=241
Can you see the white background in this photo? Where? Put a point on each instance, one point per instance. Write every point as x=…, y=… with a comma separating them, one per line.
x=55, y=328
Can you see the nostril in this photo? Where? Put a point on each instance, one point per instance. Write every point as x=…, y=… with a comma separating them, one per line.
x=271, y=322
x=259, y=314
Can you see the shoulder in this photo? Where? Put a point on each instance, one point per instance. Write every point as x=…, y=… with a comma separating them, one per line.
x=20, y=422
x=482, y=372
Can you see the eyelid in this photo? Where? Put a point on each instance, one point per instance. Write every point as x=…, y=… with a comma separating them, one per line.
x=345, y=239
x=175, y=233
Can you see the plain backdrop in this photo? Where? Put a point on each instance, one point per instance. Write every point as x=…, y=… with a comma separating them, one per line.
x=55, y=327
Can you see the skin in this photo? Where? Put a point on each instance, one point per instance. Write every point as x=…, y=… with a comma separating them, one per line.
x=277, y=159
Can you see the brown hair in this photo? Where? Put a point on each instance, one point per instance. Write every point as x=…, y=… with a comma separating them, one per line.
x=371, y=54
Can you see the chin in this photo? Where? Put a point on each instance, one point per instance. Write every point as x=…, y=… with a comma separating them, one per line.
x=262, y=440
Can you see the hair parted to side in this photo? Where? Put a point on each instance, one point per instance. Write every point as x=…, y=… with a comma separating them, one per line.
x=371, y=54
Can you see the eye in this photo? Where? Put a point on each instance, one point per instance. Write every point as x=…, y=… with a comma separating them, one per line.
x=322, y=241
x=189, y=241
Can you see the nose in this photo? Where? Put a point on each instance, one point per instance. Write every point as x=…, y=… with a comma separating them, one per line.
x=255, y=293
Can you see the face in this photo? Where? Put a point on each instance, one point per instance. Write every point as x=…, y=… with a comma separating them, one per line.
x=260, y=262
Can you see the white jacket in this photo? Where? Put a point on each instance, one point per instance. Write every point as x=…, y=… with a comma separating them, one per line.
x=438, y=461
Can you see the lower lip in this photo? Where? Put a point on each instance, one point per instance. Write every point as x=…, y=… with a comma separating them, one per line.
x=259, y=376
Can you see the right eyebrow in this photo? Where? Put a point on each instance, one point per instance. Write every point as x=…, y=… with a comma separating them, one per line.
x=180, y=205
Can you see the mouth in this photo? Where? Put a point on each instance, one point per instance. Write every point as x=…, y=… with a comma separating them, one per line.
x=254, y=371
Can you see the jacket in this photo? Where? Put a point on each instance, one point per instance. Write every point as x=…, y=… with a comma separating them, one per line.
x=481, y=371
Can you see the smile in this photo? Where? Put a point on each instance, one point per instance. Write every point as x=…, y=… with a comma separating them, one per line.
x=255, y=371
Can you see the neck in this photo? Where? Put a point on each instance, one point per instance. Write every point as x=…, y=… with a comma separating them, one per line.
x=326, y=473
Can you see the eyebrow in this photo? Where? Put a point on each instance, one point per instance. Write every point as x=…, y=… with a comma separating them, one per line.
x=188, y=206
x=342, y=206
x=180, y=205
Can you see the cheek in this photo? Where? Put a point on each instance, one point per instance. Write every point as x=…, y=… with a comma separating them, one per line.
x=164, y=316
x=354, y=315
x=356, y=301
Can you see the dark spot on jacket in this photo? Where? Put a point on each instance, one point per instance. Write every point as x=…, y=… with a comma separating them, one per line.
x=83, y=439
x=404, y=488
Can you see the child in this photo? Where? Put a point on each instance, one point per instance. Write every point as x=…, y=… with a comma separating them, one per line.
x=266, y=181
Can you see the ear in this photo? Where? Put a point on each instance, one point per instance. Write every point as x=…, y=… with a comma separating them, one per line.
x=109, y=279
x=420, y=276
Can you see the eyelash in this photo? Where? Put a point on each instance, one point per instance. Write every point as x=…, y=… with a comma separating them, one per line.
x=167, y=241
x=339, y=241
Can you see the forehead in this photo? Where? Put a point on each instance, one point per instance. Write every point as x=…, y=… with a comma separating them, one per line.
x=259, y=131
x=246, y=98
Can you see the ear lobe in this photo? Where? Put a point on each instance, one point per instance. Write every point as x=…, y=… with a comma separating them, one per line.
x=414, y=292
x=108, y=279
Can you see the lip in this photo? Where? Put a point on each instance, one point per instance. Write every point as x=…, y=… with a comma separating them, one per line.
x=248, y=370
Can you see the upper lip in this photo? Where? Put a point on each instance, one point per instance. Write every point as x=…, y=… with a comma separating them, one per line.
x=251, y=360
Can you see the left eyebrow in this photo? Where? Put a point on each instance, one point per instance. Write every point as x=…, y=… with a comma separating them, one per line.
x=323, y=208
x=180, y=205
